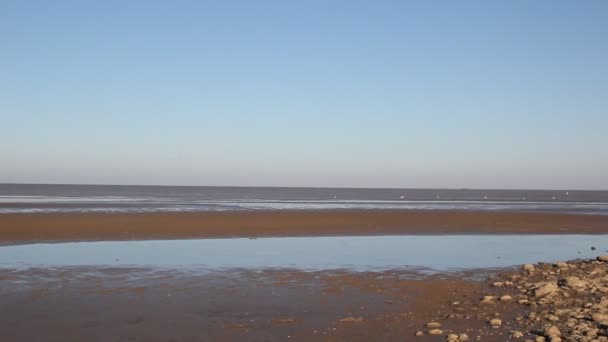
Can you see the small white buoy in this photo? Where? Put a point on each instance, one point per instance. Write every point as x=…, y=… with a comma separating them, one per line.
x=553, y=197
x=567, y=193
x=402, y=197
x=485, y=197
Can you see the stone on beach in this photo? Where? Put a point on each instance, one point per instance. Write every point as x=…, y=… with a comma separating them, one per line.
x=563, y=301
x=452, y=338
x=517, y=334
x=545, y=289
x=495, y=322
x=552, y=331
x=528, y=268
x=574, y=282
x=433, y=325
x=435, y=332
x=603, y=258
x=600, y=318
x=488, y=300
x=505, y=298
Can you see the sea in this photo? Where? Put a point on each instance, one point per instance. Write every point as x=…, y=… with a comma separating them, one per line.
x=64, y=198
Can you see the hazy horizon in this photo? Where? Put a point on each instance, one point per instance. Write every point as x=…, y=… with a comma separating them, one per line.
x=349, y=94
x=299, y=187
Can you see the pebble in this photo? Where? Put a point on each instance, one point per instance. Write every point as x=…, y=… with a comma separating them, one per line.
x=600, y=318
x=565, y=301
x=553, y=331
x=433, y=325
x=545, y=289
x=574, y=282
x=452, y=337
x=505, y=298
x=517, y=334
x=603, y=258
x=495, y=322
x=530, y=268
x=488, y=300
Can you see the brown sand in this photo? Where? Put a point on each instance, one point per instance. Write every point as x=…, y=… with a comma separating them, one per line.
x=111, y=304
x=23, y=228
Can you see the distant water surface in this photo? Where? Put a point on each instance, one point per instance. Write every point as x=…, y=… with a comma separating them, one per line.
x=30, y=198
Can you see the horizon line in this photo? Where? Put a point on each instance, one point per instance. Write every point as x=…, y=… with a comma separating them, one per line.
x=306, y=187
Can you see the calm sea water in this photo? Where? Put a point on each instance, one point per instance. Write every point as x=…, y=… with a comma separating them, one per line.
x=358, y=253
x=27, y=198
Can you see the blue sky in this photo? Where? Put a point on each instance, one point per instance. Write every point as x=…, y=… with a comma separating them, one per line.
x=480, y=94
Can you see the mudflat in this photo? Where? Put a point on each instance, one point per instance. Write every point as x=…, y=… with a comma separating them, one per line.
x=24, y=228
x=118, y=304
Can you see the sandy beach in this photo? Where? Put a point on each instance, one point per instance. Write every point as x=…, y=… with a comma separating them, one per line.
x=544, y=302
x=155, y=305
x=172, y=304
x=24, y=228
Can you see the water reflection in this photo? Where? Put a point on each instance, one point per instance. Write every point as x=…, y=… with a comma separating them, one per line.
x=363, y=253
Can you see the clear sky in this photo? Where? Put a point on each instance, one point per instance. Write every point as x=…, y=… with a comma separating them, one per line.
x=479, y=94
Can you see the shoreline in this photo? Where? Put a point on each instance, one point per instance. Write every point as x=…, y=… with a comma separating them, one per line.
x=67, y=227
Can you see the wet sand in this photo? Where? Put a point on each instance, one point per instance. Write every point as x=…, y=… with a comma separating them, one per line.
x=24, y=228
x=113, y=304
x=152, y=304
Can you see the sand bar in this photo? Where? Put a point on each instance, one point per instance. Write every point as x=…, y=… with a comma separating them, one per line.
x=24, y=228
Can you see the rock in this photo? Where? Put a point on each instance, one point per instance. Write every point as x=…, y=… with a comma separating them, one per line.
x=505, y=298
x=488, y=300
x=592, y=332
x=495, y=322
x=517, y=334
x=545, y=289
x=498, y=284
x=419, y=333
x=463, y=337
x=561, y=265
x=435, y=332
x=530, y=268
x=452, y=338
x=433, y=325
x=539, y=339
x=574, y=283
x=596, y=271
x=552, y=331
x=602, y=258
x=600, y=318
